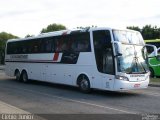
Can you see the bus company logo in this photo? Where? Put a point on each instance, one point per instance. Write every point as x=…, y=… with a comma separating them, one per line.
x=19, y=56
x=137, y=75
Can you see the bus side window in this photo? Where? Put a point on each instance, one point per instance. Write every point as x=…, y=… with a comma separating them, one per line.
x=58, y=44
x=82, y=42
x=73, y=42
x=73, y=45
x=15, y=48
x=48, y=45
x=65, y=44
x=35, y=46
x=24, y=47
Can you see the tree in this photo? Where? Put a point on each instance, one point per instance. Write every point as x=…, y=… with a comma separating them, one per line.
x=3, y=38
x=134, y=28
x=148, y=32
x=53, y=27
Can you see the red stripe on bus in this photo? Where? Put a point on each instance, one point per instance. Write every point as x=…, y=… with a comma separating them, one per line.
x=56, y=55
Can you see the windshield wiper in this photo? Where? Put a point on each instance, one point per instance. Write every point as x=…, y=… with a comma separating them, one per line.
x=144, y=68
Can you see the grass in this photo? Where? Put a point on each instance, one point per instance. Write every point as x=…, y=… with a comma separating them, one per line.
x=154, y=40
x=155, y=80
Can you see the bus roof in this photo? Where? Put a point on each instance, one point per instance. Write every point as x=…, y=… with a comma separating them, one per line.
x=64, y=32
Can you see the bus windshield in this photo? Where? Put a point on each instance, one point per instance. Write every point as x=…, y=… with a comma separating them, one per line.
x=131, y=60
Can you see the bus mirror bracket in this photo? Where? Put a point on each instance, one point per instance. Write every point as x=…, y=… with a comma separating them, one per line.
x=118, y=48
x=154, y=53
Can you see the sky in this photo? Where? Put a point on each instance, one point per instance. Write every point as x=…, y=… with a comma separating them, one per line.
x=22, y=17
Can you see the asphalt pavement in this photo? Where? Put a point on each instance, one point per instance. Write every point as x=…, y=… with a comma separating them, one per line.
x=2, y=67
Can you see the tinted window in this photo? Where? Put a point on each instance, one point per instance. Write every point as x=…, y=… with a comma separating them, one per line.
x=79, y=42
x=103, y=51
x=47, y=45
x=62, y=43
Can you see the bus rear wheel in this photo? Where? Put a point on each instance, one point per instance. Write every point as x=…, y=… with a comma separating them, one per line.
x=84, y=84
x=24, y=77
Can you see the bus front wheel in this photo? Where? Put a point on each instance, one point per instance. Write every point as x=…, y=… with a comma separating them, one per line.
x=84, y=84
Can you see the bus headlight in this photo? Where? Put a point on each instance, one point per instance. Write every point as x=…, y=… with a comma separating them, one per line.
x=121, y=78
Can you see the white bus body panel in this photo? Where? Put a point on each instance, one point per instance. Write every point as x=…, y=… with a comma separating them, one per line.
x=136, y=81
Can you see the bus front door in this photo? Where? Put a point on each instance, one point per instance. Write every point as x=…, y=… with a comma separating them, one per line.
x=108, y=70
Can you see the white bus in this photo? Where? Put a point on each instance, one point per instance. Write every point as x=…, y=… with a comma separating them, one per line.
x=100, y=58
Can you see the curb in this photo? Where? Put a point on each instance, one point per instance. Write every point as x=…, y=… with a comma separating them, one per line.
x=154, y=84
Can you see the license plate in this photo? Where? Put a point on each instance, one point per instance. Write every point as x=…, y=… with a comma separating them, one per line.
x=137, y=85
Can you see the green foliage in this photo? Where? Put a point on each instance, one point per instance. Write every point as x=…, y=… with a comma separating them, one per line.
x=148, y=32
x=3, y=38
x=134, y=28
x=152, y=80
x=53, y=27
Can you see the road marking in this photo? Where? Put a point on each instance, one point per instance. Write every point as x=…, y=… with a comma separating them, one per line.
x=81, y=102
x=9, y=109
x=88, y=103
x=155, y=94
x=152, y=94
x=76, y=101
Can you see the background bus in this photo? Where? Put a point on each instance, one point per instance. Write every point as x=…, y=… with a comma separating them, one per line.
x=155, y=42
x=154, y=63
x=101, y=58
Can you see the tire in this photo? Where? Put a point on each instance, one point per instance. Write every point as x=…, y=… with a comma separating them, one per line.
x=84, y=84
x=18, y=75
x=24, y=77
x=151, y=72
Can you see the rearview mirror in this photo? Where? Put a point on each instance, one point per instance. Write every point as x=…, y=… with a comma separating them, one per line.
x=118, y=48
x=149, y=51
